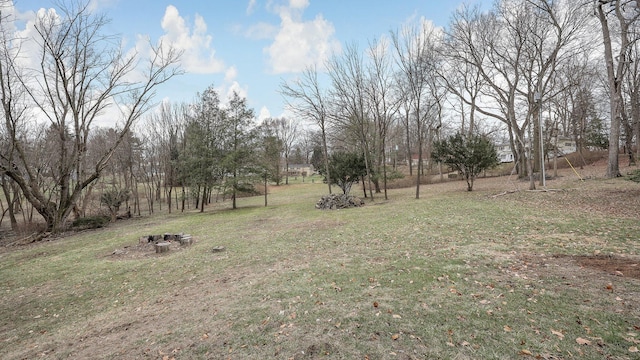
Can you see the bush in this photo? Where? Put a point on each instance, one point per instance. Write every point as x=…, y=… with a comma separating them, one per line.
x=634, y=176
x=470, y=155
x=90, y=222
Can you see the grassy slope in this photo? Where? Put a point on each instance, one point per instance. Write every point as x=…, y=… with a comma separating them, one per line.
x=452, y=275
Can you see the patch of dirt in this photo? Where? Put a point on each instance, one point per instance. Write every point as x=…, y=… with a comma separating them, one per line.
x=623, y=266
x=604, y=266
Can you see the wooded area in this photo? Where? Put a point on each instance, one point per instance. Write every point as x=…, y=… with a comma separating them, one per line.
x=525, y=73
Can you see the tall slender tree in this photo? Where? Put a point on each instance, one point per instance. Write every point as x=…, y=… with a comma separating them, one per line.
x=238, y=160
x=307, y=99
x=416, y=59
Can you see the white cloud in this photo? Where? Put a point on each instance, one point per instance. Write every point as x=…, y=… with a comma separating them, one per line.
x=229, y=85
x=298, y=4
x=251, y=7
x=228, y=91
x=94, y=5
x=198, y=53
x=261, y=31
x=300, y=43
x=263, y=114
x=230, y=74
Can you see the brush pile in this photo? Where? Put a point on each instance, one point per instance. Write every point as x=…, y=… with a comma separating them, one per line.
x=338, y=201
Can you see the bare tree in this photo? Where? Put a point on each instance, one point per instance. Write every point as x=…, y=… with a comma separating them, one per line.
x=416, y=57
x=462, y=78
x=349, y=96
x=164, y=128
x=306, y=98
x=286, y=131
x=516, y=48
x=384, y=102
x=631, y=95
x=81, y=73
x=616, y=16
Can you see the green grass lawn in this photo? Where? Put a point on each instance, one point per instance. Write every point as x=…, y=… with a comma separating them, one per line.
x=453, y=275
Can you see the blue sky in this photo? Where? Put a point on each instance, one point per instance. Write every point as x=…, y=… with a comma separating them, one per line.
x=253, y=45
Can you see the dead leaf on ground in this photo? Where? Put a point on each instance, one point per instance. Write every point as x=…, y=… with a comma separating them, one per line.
x=507, y=328
x=395, y=336
x=633, y=349
x=583, y=341
x=558, y=334
x=525, y=352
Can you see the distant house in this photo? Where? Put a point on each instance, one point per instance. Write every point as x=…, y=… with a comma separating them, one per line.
x=565, y=145
x=414, y=160
x=505, y=155
x=301, y=169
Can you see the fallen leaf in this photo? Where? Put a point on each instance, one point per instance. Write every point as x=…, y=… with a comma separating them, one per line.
x=375, y=304
x=582, y=341
x=525, y=352
x=633, y=349
x=558, y=334
x=451, y=344
x=632, y=340
x=396, y=316
x=395, y=336
x=465, y=343
x=507, y=328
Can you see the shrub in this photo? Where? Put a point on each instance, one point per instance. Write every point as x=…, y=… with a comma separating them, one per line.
x=634, y=176
x=90, y=222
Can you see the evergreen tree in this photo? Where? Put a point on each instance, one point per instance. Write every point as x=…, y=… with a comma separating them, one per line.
x=469, y=154
x=202, y=152
x=239, y=155
x=346, y=169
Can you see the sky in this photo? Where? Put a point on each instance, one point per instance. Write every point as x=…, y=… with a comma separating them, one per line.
x=252, y=46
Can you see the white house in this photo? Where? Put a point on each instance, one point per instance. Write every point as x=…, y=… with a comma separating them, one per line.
x=565, y=145
x=505, y=155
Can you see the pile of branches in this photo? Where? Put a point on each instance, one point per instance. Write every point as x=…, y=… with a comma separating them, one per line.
x=338, y=201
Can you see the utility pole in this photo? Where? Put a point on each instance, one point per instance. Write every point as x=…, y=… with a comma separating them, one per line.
x=537, y=97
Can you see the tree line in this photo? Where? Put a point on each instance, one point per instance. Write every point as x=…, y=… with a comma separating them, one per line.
x=524, y=73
